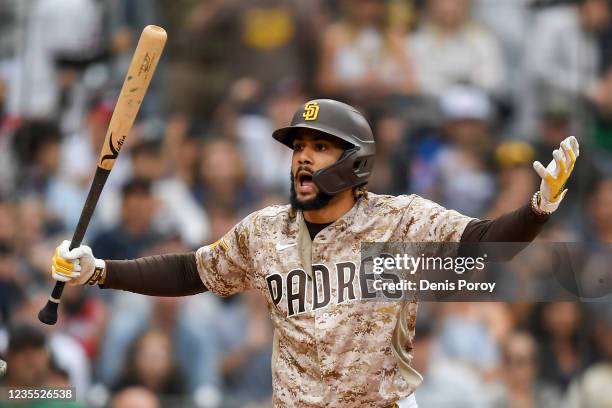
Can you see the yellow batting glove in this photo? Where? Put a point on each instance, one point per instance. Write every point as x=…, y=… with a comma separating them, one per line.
x=62, y=269
x=77, y=266
x=555, y=175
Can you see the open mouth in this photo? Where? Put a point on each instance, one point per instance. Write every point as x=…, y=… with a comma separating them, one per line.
x=305, y=182
x=304, y=178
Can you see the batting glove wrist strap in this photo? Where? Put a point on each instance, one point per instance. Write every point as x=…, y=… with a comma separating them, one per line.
x=98, y=274
x=541, y=206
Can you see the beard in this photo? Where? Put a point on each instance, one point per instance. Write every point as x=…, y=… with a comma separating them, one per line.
x=319, y=201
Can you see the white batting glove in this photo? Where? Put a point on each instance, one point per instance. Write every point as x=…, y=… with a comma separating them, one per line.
x=77, y=266
x=555, y=175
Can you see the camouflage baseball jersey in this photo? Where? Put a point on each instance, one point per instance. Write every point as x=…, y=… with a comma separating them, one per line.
x=330, y=348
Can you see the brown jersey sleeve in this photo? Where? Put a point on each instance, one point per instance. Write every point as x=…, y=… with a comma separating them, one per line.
x=158, y=275
x=521, y=225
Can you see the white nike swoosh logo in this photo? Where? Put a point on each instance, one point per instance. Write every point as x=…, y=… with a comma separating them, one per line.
x=280, y=247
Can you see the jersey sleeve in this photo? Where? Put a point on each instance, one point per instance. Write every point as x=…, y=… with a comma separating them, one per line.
x=435, y=223
x=226, y=266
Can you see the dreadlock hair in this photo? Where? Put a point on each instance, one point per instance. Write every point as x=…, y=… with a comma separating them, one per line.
x=360, y=191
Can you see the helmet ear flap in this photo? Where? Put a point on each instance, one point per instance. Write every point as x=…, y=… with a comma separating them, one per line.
x=361, y=166
x=344, y=174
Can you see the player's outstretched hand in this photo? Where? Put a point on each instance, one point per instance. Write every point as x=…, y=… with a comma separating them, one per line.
x=77, y=266
x=555, y=175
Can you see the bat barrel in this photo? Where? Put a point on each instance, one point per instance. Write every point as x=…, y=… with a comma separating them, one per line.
x=156, y=30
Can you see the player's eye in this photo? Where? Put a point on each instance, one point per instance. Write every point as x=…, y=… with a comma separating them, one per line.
x=298, y=146
x=321, y=147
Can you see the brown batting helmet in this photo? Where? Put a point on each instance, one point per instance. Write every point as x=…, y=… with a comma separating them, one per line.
x=344, y=122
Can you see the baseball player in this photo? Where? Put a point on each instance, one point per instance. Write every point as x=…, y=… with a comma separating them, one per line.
x=331, y=349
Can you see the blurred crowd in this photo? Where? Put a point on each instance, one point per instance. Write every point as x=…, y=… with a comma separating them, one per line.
x=462, y=95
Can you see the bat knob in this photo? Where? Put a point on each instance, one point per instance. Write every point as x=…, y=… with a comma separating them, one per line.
x=48, y=314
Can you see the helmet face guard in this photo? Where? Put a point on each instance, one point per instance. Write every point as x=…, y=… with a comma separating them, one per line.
x=344, y=122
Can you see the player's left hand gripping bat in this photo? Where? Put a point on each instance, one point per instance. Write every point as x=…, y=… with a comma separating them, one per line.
x=135, y=85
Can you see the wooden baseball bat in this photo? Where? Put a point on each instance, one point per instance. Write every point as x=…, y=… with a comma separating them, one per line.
x=141, y=69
